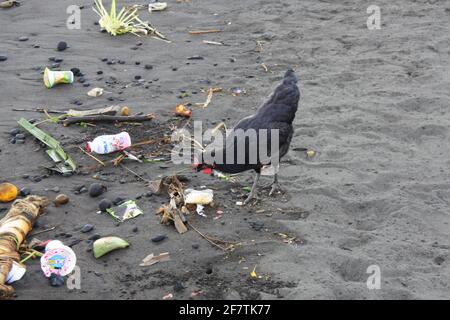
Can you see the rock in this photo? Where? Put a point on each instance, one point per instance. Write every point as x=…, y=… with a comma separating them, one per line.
x=178, y=286
x=137, y=63
x=105, y=204
x=159, y=238
x=87, y=228
x=118, y=201
x=94, y=237
x=195, y=246
x=20, y=136
x=56, y=280
x=137, y=77
x=135, y=229
x=148, y=67
x=23, y=38
x=14, y=132
x=61, y=199
x=25, y=192
x=59, y=60
x=62, y=45
x=20, y=141
x=3, y=58
x=55, y=65
x=96, y=189
x=99, y=72
x=76, y=72
x=196, y=58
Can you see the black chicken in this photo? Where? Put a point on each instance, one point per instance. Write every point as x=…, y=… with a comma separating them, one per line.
x=278, y=113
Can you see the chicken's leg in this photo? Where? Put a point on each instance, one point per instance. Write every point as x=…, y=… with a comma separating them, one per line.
x=275, y=185
x=253, y=191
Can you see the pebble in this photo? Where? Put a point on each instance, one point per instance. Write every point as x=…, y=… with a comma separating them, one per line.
x=14, y=132
x=96, y=189
x=195, y=246
x=148, y=67
x=135, y=229
x=62, y=45
x=159, y=238
x=99, y=72
x=61, y=199
x=56, y=280
x=117, y=201
x=137, y=77
x=59, y=60
x=20, y=141
x=104, y=204
x=178, y=286
x=20, y=136
x=3, y=58
x=76, y=72
x=196, y=58
x=25, y=192
x=94, y=237
x=23, y=38
x=87, y=228
x=55, y=65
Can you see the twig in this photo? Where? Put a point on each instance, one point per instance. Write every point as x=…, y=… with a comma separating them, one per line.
x=212, y=240
x=213, y=43
x=106, y=118
x=264, y=67
x=134, y=173
x=90, y=155
x=40, y=110
x=208, y=99
x=198, y=32
x=43, y=231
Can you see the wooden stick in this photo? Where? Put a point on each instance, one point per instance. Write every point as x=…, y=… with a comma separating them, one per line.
x=43, y=231
x=106, y=118
x=198, y=32
x=41, y=110
x=90, y=155
x=134, y=173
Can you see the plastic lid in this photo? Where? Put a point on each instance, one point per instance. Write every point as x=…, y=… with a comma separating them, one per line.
x=60, y=261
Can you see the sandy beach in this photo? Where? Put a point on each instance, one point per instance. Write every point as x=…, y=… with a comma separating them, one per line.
x=374, y=106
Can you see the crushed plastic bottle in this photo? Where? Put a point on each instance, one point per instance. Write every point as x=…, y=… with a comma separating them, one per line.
x=109, y=143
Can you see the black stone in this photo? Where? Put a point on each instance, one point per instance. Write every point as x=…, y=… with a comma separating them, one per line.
x=105, y=204
x=62, y=45
x=96, y=189
x=56, y=280
x=87, y=228
x=159, y=238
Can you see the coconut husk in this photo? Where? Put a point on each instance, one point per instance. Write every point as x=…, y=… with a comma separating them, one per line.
x=14, y=227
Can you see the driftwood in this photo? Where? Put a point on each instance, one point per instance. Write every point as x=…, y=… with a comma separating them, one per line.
x=14, y=227
x=106, y=118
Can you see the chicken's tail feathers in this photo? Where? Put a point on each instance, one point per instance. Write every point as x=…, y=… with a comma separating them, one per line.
x=290, y=76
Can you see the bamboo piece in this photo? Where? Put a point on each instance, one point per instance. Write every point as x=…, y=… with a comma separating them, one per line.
x=14, y=227
x=106, y=118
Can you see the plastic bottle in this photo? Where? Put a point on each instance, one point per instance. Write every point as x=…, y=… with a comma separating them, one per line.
x=109, y=143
